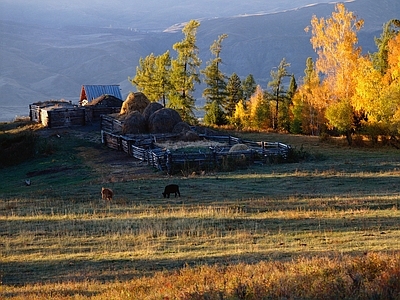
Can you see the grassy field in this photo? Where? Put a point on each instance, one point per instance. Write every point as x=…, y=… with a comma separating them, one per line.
x=334, y=212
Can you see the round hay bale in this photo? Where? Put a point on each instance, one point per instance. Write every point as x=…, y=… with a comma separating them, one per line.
x=134, y=123
x=239, y=148
x=150, y=109
x=134, y=102
x=191, y=136
x=163, y=120
x=181, y=127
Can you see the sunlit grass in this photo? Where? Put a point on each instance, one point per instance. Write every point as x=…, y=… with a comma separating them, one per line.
x=59, y=240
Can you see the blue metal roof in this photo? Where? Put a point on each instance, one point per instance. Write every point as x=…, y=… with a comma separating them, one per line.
x=91, y=92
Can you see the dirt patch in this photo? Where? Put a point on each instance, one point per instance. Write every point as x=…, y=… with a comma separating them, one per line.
x=110, y=165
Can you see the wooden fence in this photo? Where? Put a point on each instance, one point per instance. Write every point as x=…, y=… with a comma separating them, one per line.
x=143, y=147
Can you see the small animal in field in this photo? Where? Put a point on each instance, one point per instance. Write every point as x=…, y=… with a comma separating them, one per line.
x=171, y=189
x=106, y=194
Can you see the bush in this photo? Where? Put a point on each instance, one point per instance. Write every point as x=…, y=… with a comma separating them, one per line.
x=16, y=147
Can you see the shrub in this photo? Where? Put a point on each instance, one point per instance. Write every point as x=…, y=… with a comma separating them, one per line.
x=16, y=147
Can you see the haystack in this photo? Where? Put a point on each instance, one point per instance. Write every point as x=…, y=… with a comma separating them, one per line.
x=239, y=148
x=181, y=127
x=163, y=120
x=134, y=102
x=189, y=136
x=106, y=101
x=150, y=109
x=134, y=123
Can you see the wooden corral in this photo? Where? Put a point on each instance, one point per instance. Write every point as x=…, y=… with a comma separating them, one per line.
x=144, y=147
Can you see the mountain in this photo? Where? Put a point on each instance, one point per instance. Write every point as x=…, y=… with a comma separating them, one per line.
x=40, y=62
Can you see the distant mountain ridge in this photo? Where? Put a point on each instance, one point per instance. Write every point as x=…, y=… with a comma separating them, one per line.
x=38, y=63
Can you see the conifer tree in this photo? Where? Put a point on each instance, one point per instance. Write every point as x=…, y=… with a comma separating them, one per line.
x=380, y=58
x=249, y=87
x=144, y=78
x=278, y=93
x=215, y=91
x=185, y=73
x=234, y=92
x=152, y=77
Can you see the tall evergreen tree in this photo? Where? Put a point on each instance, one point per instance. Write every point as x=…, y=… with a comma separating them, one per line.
x=152, y=76
x=380, y=58
x=162, y=79
x=185, y=73
x=215, y=91
x=144, y=78
x=278, y=92
x=234, y=94
x=249, y=87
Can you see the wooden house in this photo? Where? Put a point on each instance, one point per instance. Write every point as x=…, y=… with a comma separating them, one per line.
x=91, y=92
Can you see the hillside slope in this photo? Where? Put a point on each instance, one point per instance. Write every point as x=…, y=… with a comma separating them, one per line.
x=40, y=63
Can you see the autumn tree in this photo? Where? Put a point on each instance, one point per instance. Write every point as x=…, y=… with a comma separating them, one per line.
x=258, y=110
x=185, y=73
x=240, y=117
x=309, y=103
x=334, y=40
x=215, y=91
x=392, y=81
x=278, y=92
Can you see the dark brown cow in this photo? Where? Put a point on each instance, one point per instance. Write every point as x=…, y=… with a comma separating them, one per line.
x=170, y=189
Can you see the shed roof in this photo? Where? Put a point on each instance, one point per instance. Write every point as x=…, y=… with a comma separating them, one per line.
x=91, y=92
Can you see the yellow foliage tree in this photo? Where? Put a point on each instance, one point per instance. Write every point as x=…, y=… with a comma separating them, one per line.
x=392, y=80
x=334, y=39
x=258, y=110
x=240, y=116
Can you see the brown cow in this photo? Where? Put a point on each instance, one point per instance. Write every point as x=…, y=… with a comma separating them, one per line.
x=170, y=189
x=106, y=194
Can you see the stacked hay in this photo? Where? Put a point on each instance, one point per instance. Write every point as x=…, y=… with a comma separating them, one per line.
x=181, y=127
x=134, y=102
x=150, y=109
x=185, y=131
x=106, y=101
x=163, y=120
x=134, y=123
x=239, y=148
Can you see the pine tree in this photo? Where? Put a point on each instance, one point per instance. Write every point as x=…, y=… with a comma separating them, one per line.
x=249, y=87
x=234, y=94
x=184, y=73
x=278, y=92
x=380, y=58
x=162, y=74
x=144, y=78
x=215, y=91
x=152, y=77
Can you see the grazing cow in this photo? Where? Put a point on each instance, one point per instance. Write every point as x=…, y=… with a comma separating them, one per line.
x=170, y=189
x=106, y=194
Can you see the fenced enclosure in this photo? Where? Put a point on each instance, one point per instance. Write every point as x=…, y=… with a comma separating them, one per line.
x=217, y=155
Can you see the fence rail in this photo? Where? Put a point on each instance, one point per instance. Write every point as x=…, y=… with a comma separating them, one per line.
x=143, y=147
